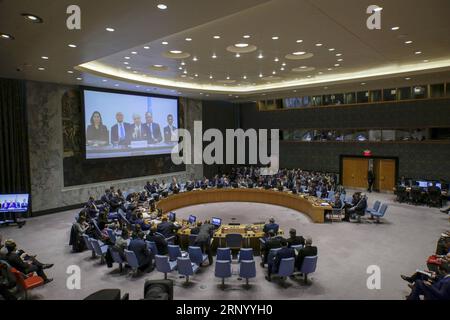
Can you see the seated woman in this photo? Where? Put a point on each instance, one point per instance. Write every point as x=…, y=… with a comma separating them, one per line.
x=97, y=133
x=79, y=228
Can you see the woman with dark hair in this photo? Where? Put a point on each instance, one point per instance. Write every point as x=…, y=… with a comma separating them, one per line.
x=97, y=133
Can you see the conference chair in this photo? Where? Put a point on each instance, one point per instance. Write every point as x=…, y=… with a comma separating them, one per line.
x=247, y=270
x=286, y=268
x=169, y=240
x=123, y=217
x=402, y=194
x=330, y=196
x=233, y=241
x=223, y=270
x=87, y=242
x=132, y=261
x=28, y=282
x=223, y=254
x=381, y=213
x=416, y=195
x=186, y=267
x=336, y=213
x=272, y=254
x=108, y=295
x=164, y=265
x=297, y=247
x=192, y=239
x=196, y=255
x=245, y=254
x=158, y=290
x=308, y=266
x=434, y=199
x=117, y=258
x=319, y=194
x=96, y=227
x=375, y=207
x=152, y=247
x=111, y=234
x=174, y=252
x=100, y=249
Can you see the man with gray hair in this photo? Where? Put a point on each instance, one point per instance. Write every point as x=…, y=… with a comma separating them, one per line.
x=120, y=132
x=308, y=251
x=138, y=131
x=271, y=226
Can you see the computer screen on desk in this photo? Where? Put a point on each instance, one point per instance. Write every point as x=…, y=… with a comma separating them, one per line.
x=192, y=219
x=216, y=222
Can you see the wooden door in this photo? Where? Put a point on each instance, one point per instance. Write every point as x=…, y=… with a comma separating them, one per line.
x=354, y=172
x=385, y=176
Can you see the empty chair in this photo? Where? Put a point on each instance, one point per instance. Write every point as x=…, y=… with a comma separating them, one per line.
x=223, y=270
x=186, y=267
x=164, y=265
x=379, y=214
x=375, y=207
x=111, y=234
x=245, y=254
x=308, y=266
x=286, y=267
x=88, y=243
x=28, y=282
x=192, y=239
x=100, y=249
x=233, y=241
x=196, y=255
x=117, y=258
x=132, y=261
x=174, y=252
x=247, y=269
x=224, y=254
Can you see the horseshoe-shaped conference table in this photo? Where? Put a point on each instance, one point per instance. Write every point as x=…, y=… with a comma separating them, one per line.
x=311, y=206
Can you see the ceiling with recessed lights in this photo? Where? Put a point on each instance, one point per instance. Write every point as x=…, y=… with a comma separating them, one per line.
x=225, y=49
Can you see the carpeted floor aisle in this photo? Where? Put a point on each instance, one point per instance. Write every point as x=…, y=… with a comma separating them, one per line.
x=399, y=245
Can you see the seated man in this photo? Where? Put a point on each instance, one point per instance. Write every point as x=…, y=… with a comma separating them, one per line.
x=359, y=209
x=295, y=240
x=272, y=242
x=139, y=247
x=79, y=228
x=7, y=283
x=337, y=203
x=167, y=228
x=159, y=240
x=140, y=221
x=271, y=226
x=91, y=208
x=284, y=253
x=308, y=251
x=25, y=263
x=439, y=290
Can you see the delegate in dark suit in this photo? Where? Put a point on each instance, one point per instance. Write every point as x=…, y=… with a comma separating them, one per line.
x=153, y=133
x=308, y=251
x=139, y=247
x=204, y=239
x=167, y=228
x=271, y=226
x=283, y=253
x=120, y=133
x=168, y=134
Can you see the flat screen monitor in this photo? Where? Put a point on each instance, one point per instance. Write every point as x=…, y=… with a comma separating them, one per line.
x=422, y=184
x=14, y=202
x=192, y=219
x=216, y=222
x=119, y=124
x=439, y=185
x=172, y=216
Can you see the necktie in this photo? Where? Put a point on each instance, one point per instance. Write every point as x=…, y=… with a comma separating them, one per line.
x=139, y=132
x=122, y=133
x=151, y=130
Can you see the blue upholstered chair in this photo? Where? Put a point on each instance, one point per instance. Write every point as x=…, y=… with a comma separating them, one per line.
x=247, y=269
x=223, y=270
x=223, y=254
x=297, y=247
x=116, y=258
x=308, y=266
x=132, y=261
x=376, y=206
x=186, y=267
x=192, y=239
x=152, y=247
x=99, y=249
x=87, y=242
x=196, y=255
x=111, y=234
x=233, y=241
x=245, y=254
x=381, y=213
x=174, y=252
x=286, y=268
x=330, y=196
x=164, y=265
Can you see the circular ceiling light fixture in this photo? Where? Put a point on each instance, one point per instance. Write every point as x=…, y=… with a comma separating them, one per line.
x=109, y=29
x=44, y=57
x=176, y=54
x=395, y=28
x=303, y=69
x=299, y=55
x=299, y=41
x=165, y=43
x=188, y=39
x=216, y=37
x=246, y=36
x=275, y=38
x=33, y=18
x=241, y=48
x=241, y=45
x=408, y=42
x=146, y=47
x=6, y=36
x=158, y=67
x=161, y=6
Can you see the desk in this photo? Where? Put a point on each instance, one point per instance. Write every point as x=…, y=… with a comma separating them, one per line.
x=308, y=205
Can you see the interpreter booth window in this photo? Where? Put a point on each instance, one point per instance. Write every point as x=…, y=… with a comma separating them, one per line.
x=350, y=98
x=437, y=90
x=362, y=96
x=376, y=96
x=404, y=93
x=420, y=92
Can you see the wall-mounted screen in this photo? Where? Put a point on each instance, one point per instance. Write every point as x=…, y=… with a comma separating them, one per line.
x=128, y=125
x=14, y=202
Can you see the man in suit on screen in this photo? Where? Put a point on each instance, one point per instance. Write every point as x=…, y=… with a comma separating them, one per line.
x=153, y=129
x=169, y=131
x=138, y=130
x=120, y=132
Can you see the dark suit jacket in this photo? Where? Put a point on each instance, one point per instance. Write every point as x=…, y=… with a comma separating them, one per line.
x=161, y=243
x=308, y=251
x=283, y=253
x=139, y=247
x=271, y=226
x=168, y=135
x=143, y=132
x=115, y=134
x=15, y=261
x=156, y=136
x=296, y=241
x=167, y=229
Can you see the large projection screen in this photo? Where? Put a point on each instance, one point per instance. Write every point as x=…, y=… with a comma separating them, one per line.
x=128, y=125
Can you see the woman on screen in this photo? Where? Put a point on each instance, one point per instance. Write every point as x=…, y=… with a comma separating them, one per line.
x=97, y=133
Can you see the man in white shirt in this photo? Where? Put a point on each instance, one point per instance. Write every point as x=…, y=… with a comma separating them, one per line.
x=169, y=131
x=138, y=131
x=120, y=132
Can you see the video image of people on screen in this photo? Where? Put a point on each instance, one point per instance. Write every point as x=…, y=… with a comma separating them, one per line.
x=126, y=125
x=13, y=202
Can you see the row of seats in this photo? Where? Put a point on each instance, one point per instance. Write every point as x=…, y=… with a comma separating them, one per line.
x=378, y=210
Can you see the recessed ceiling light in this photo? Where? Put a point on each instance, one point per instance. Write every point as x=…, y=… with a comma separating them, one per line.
x=183, y=63
x=275, y=38
x=162, y=6
x=72, y=45
x=340, y=60
x=276, y=60
x=395, y=28
x=164, y=43
x=188, y=39
x=418, y=52
x=241, y=45
x=185, y=71
x=109, y=29
x=338, y=54
x=214, y=56
x=183, y=76
x=408, y=78
x=146, y=47
x=260, y=56
x=194, y=59
x=180, y=68
x=133, y=52
x=216, y=37
x=128, y=67
x=244, y=77
x=41, y=69
x=127, y=58
x=298, y=53
x=274, y=72
x=246, y=36
x=299, y=41
x=329, y=69
x=426, y=60
x=363, y=83
x=44, y=57
x=32, y=18
x=70, y=71
x=308, y=76
x=196, y=75
x=228, y=78
x=125, y=62
x=282, y=69
x=284, y=64
x=320, y=72
x=210, y=76
x=176, y=51
x=319, y=44
x=104, y=80
x=331, y=49
x=79, y=79
x=336, y=64
x=408, y=42
x=6, y=36
x=158, y=65
x=238, y=55
x=260, y=75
